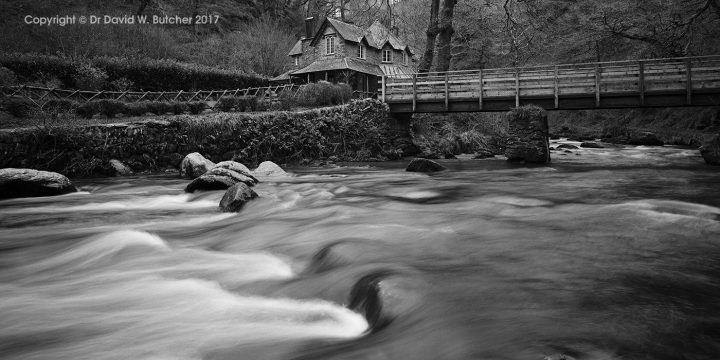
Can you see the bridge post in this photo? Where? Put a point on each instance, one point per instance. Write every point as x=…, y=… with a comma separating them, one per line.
x=528, y=135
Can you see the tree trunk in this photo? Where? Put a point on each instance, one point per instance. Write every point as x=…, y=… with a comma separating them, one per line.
x=195, y=5
x=445, y=35
x=432, y=32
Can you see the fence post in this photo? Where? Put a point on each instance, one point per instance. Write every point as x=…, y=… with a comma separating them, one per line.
x=480, y=98
x=382, y=86
x=557, y=87
x=517, y=87
x=414, y=103
x=597, y=85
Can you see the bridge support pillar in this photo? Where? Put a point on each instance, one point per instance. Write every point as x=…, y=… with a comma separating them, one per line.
x=528, y=135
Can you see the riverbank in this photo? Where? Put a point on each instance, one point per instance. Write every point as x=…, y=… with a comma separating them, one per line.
x=354, y=132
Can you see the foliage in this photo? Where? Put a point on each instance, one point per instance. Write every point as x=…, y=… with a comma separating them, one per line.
x=145, y=74
x=7, y=77
x=262, y=46
x=122, y=84
x=324, y=93
x=88, y=109
x=196, y=107
x=459, y=133
x=354, y=132
x=110, y=108
x=19, y=107
x=89, y=77
x=238, y=103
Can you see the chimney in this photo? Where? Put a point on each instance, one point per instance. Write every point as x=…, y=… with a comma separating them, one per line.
x=309, y=27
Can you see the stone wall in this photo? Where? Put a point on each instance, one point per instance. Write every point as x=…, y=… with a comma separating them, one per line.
x=357, y=131
x=528, y=135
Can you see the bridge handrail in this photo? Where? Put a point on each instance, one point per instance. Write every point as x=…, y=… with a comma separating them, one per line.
x=590, y=65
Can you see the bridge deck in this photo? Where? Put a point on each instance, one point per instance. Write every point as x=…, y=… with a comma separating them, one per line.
x=691, y=81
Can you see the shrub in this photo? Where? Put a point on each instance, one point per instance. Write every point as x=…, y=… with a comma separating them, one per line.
x=324, y=93
x=19, y=107
x=146, y=74
x=121, y=84
x=110, y=108
x=88, y=109
x=179, y=107
x=89, y=77
x=226, y=103
x=138, y=108
x=7, y=77
x=161, y=107
x=248, y=103
x=196, y=107
x=286, y=99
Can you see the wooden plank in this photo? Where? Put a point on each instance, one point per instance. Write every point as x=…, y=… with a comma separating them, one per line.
x=641, y=81
x=480, y=98
x=383, y=86
x=447, y=93
x=688, y=81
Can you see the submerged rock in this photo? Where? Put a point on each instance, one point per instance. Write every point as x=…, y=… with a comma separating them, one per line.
x=16, y=183
x=269, y=169
x=567, y=146
x=236, y=196
x=592, y=145
x=194, y=165
x=424, y=165
x=710, y=151
x=117, y=168
x=646, y=139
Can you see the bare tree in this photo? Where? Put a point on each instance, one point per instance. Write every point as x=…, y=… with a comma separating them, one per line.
x=445, y=35
x=432, y=31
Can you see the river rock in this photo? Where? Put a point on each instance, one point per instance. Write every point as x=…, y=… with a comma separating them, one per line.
x=16, y=183
x=424, y=165
x=210, y=182
x=234, y=166
x=528, y=135
x=710, y=151
x=646, y=139
x=117, y=168
x=567, y=146
x=236, y=196
x=236, y=176
x=591, y=145
x=269, y=169
x=194, y=165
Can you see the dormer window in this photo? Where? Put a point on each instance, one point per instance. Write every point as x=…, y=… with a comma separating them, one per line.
x=387, y=56
x=329, y=44
x=297, y=60
x=361, y=51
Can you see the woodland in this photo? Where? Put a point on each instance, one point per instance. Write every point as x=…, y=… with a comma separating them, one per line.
x=254, y=36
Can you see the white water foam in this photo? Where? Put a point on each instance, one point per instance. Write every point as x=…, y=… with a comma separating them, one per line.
x=164, y=202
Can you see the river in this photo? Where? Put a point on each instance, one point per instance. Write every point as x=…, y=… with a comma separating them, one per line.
x=606, y=254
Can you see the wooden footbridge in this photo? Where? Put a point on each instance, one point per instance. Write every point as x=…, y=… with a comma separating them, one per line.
x=689, y=81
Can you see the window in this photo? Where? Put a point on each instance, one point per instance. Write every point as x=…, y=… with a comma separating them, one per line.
x=387, y=56
x=330, y=45
x=405, y=58
x=361, y=51
x=297, y=60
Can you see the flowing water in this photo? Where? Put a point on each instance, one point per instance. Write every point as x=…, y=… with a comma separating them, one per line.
x=609, y=254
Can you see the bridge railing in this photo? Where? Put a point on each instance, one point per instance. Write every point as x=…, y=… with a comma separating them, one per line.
x=639, y=77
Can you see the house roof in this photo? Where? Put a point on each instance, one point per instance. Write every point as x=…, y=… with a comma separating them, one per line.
x=382, y=35
x=341, y=64
x=388, y=69
x=282, y=77
x=296, y=49
x=377, y=35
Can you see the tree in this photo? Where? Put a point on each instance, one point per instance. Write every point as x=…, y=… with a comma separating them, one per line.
x=445, y=35
x=262, y=46
x=432, y=31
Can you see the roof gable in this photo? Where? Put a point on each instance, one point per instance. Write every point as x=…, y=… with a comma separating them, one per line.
x=346, y=31
x=296, y=49
x=381, y=35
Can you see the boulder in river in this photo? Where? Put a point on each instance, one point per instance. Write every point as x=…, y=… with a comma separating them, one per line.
x=16, y=183
x=194, y=165
x=269, y=169
x=118, y=168
x=237, y=176
x=424, y=165
x=236, y=196
x=710, y=151
x=234, y=166
x=646, y=139
x=220, y=178
x=567, y=146
x=592, y=145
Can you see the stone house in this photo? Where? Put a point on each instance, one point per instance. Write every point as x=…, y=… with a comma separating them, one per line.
x=337, y=51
